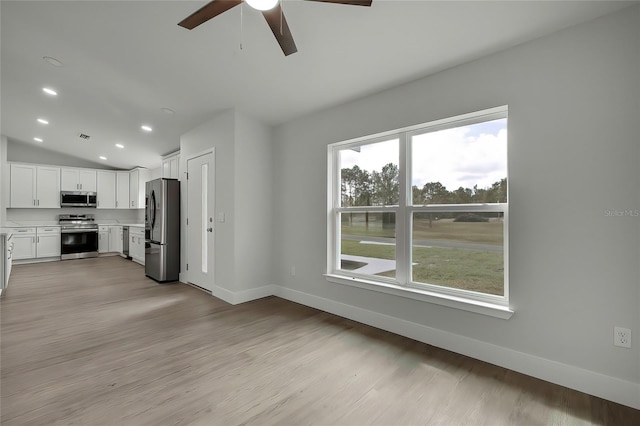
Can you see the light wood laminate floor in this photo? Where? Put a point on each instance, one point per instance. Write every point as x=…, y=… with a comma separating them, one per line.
x=94, y=342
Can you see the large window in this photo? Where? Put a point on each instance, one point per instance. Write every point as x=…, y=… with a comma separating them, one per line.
x=424, y=209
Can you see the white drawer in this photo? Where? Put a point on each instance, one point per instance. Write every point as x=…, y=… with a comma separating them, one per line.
x=103, y=228
x=49, y=230
x=22, y=231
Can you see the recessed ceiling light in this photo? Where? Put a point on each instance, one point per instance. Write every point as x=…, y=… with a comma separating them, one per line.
x=49, y=91
x=52, y=61
x=146, y=128
x=38, y=139
x=167, y=111
x=42, y=121
x=119, y=145
x=102, y=157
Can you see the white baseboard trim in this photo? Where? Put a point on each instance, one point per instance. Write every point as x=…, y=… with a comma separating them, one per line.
x=236, y=297
x=254, y=294
x=600, y=385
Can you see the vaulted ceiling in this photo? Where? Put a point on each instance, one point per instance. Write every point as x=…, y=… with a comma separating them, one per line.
x=124, y=63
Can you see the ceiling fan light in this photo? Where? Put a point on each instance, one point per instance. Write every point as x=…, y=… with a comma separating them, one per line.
x=262, y=4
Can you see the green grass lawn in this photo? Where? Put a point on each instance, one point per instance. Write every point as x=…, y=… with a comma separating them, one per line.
x=472, y=232
x=474, y=270
x=444, y=229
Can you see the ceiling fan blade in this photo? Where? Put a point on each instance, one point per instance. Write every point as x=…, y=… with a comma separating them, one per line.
x=351, y=2
x=206, y=12
x=277, y=22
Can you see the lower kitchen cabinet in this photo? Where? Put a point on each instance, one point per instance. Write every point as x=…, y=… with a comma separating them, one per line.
x=48, y=242
x=115, y=239
x=24, y=243
x=103, y=239
x=36, y=243
x=136, y=244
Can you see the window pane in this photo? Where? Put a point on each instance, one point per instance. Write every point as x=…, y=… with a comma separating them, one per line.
x=459, y=250
x=369, y=174
x=461, y=165
x=368, y=243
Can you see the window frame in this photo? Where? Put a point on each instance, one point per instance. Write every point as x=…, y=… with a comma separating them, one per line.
x=403, y=284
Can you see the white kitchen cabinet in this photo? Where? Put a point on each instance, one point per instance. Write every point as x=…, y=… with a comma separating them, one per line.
x=171, y=166
x=103, y=239
x=34, y=186
x=23, y=185
x=115, y=239
x=122, y=190
x=24, y=243
x=106, y=189
x=48, y=187
x=136, y=244
x=72, y=179
x=138, y=178
x=48, y=241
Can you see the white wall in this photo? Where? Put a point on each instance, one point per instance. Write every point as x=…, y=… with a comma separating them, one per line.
x=573, y=154
x=4, y=179
x=243, y=165
x=253, y=203
x=218, y=133
x=155, y=173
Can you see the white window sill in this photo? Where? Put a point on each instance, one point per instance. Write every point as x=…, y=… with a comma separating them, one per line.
x=479, y=307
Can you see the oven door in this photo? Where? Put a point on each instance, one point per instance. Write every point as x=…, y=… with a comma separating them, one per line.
x=78, y=243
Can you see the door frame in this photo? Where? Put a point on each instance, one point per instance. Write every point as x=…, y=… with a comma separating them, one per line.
x=212, y=150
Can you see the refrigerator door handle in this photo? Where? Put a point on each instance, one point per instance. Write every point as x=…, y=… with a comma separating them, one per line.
x=153, y=214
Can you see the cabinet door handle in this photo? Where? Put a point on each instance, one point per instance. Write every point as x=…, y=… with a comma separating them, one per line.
x=38, y=202
x=38, y=239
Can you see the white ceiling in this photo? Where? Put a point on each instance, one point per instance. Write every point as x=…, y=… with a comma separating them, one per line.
x=125, y=60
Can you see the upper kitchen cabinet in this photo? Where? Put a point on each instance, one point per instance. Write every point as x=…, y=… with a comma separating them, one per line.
x=113, y=189
x=137, y=179
x=106, y=189
x=122, y=190
x=34, y=186
x=78, y=180
x=171, y=166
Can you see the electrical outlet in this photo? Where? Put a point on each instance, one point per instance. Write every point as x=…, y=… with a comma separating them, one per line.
x=622, y=337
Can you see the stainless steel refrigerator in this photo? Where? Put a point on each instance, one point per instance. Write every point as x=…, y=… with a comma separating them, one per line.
x=162, y=229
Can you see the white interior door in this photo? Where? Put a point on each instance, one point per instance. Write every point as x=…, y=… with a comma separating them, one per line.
x=200, y=208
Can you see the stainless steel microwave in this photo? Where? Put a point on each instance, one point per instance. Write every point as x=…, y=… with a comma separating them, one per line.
x=78, y=199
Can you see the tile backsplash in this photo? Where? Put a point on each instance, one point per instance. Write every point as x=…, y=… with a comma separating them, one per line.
x=48, y=215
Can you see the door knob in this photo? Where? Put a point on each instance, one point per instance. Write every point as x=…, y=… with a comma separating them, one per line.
x=209, y=229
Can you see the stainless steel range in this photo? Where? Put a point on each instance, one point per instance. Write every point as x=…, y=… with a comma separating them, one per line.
x=78, y=236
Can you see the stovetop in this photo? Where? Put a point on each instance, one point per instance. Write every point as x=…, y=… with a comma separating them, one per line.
x=77, y=221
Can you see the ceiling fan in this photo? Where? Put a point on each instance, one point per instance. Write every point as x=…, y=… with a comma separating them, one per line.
x=271, y=10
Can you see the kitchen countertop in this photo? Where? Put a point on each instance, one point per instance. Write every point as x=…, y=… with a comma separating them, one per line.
x=33, y=224
x=29, y=224
x=100, y=223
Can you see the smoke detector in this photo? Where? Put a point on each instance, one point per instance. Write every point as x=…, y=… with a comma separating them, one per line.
x=83, y=136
